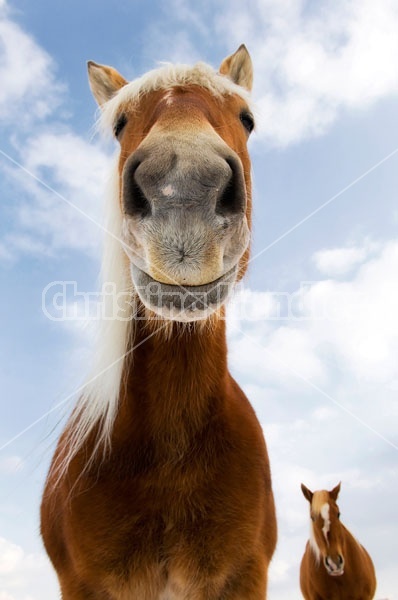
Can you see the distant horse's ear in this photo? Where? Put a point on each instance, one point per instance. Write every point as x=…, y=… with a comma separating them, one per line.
x=104, y=81
x=239, y=68
x=335, y=491
x=307, y=493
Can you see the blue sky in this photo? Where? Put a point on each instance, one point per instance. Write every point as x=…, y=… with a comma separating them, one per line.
x=324, y=377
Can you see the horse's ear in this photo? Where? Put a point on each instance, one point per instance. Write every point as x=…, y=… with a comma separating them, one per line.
x=104, y=81
x=239, y=68
x=307, y=493
x=335, y=491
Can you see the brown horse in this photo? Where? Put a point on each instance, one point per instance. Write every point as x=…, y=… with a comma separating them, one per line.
x=160, y=486
x=334, y=566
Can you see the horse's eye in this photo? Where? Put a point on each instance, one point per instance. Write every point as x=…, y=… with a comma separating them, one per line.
x=119, y=125
x=247, y=121
x=338, y=515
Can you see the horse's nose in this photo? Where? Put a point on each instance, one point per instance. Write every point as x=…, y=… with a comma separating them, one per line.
x=334, y=565
x=211, y=183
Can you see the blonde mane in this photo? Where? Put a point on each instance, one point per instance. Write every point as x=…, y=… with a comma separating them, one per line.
x=99, y=399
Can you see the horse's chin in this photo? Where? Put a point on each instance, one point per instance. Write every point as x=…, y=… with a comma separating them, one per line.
x=183, y=303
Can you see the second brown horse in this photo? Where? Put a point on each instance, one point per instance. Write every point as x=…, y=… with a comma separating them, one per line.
x=335, y=566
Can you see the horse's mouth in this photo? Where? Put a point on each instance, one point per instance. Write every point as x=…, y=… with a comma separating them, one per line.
x=182, y=303
x=336, y=573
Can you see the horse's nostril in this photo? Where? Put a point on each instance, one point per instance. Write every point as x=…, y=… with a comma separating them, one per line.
x=341, y=560
x=135, y=202
x=233, y=197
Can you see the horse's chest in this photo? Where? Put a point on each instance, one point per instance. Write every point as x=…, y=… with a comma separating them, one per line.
x=140, y=526
x=149, y=553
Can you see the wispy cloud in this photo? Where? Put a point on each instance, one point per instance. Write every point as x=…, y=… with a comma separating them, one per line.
x=340, y=261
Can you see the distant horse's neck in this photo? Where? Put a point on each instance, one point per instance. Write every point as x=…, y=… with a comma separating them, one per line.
x=175, y=382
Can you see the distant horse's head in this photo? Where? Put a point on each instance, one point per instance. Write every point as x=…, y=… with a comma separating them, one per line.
x=326, y=530
x=184, y=175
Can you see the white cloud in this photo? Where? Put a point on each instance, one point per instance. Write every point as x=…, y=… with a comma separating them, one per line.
x=11, y=556
x=73, y=162
x=353, y=322
x=340, y=261
x=363, y=323
x=312, y=60
x=29, y=89
x=48, y=221
x=24, y=576
x=279, y=571
x=44, y=221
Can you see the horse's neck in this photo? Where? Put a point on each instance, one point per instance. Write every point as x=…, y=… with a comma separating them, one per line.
x=350, y=541
x=175, y=382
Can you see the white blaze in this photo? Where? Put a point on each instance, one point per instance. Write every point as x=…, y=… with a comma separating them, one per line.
x=326, y=520
x=314, y=546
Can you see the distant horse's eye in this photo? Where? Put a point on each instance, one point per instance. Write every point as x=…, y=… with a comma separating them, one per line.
x=338, y=515
x=119, y=125
x=247, y=121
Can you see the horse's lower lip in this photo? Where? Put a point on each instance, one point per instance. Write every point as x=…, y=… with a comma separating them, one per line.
x=336, y=573
x=189, y=302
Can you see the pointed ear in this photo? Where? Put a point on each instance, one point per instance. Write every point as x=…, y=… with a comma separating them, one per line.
x=239, y=68
x=335, y=492
x=104, y=81
x=307, y=493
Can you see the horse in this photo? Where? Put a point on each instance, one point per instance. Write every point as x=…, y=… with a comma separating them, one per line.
x=160, y=485
x=335, y=566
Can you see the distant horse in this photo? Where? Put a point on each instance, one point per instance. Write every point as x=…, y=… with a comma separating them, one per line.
x=334, y=566
x=160, y=486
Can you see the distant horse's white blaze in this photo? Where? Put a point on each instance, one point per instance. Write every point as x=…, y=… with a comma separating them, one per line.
x=314, y=546
x=326, y=520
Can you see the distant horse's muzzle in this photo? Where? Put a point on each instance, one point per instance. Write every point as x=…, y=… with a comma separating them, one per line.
x=334, y=565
